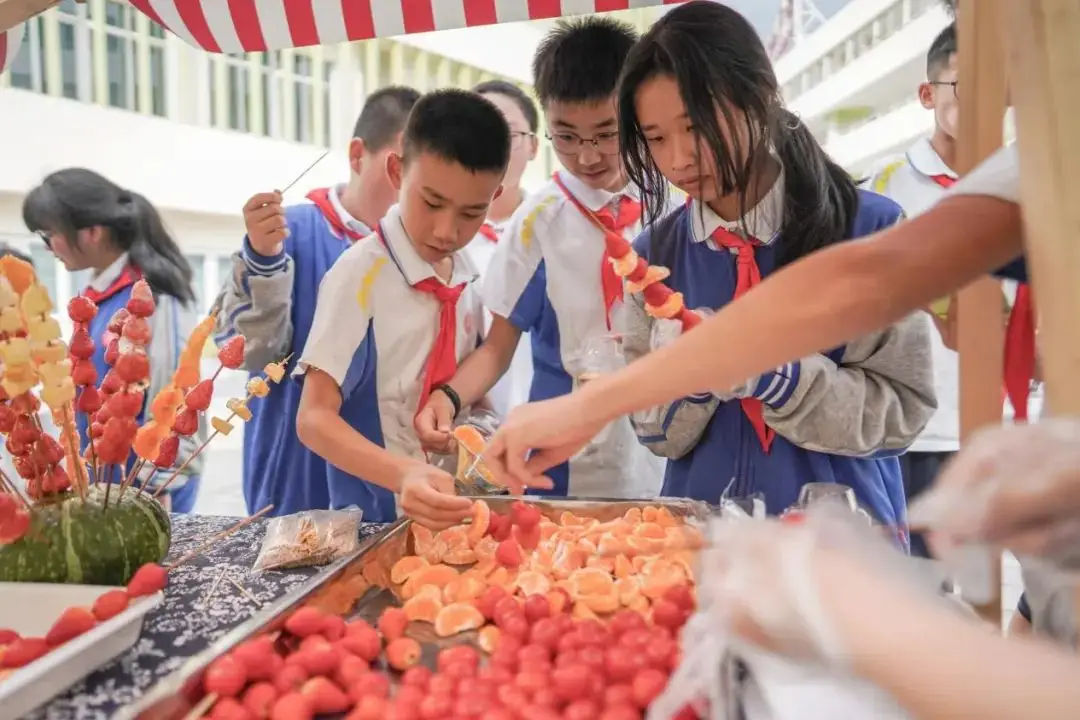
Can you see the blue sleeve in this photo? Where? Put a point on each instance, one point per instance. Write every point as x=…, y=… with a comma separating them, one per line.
x=1022, y=607
x=1016, y=270
x=529, y=306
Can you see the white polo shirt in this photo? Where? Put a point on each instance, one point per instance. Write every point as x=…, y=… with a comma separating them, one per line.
x=368, y=308
x=549, y=259
x=910, y=182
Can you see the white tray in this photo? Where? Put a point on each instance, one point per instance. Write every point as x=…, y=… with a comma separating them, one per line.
x=30, y=609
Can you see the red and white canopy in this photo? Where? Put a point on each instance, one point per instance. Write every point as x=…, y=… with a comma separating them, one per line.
x=233, y=26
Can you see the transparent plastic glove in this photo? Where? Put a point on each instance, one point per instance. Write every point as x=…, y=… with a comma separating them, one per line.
x=793, y=590
x=1016, y=487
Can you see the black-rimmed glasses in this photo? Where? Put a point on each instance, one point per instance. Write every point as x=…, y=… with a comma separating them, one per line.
x=605, y=143
x=955, y=85
x=518, y=137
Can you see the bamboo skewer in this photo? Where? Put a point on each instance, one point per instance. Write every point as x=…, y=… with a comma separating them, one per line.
x=201, y=707
x=184, y=464
x=218, y=538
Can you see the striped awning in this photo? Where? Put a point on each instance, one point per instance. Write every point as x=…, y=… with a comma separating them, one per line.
x=234, y=26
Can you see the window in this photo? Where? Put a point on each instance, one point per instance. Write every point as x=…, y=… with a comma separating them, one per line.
x=28, y=68
x=237, y=79
x=198, y=278
x=120, y=55
x=303, y=83
x=156, y=43
x=76, y=60
x=270, y=75
x=327, y=84
x=224, y=270
x=44, y=265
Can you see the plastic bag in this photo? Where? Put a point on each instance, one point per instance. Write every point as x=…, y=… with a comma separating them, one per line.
x=310, y=538
x=471, y=477
x=601, y=355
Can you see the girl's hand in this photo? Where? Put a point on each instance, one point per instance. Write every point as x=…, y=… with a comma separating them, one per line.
x=554, y=430
x=1014, y=486
x=434, y=423
x=427, y=496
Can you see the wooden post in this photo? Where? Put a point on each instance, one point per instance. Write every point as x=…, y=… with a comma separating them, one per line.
x=980, y=324
x=1044, y=62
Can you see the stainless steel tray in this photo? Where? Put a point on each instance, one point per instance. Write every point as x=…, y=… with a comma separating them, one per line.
x=359, y=586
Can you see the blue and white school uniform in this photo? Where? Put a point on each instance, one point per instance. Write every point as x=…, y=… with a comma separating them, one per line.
x=271, y=302
x=374, y=333
x=838, y=417
x=512, y=389
x=545, y=278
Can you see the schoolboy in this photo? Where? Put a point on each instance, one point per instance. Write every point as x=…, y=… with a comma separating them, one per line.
x=397, y=312
x=550, y=275
x=917, y=181
x=270, y=299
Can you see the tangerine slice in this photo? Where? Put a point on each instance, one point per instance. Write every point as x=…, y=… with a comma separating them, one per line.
x=547, y=529
x=601, y=562
x=649, y=513
x=511, y=581
x=457, y=618
x=645, y=545
x=590, y=581
x=499, y=576
x=661, y=576
x=481, y=521
x=623, y=568
x=433, y=591
x=664, y=518
x=582, y=611
x=633, y=515
x=488, y=638
x=423, y=607
x=485, y=549
x=541, y=560
x=405, y=567
x=425, y=545
x=558, y=601
x=463, y=589
x=567, y=519
x=639, y=604
x=437, y=575
x=460, y=556
x=628, y=588
x=650, y=530
x=603, y=603
x=470, y=444
x=588, y=547
x=530, y=582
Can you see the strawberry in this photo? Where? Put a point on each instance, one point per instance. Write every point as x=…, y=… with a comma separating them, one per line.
x=8, y=636
x=318, y=656
x=527, y=537
x=47, y=451
x=81, y=345
x=120, y=430
x=141, y=301
x=15, y=527
x=110, y=604
x=112, y=351
x=96, y=430
x=292, y=706
x=259, y=699
x=7, y=419
x=403, y=653
x=8, y=506
x=133, y=367
x=112, y=452
x=125, y=403
x=508, y=554
x=25, y=466
x=167, y=451
x=349, y=669
x=83, y=373
x=57, y=479
x=258, y=657
x=290, y=677
x=305, y=621
x=90, y=400
x=23, y=652
x=231, y=354
x=392, y=623
x=25, y=404
x=524, y=514
x=186, y=422
x=116, y=322
x=112, y=383
x=198, y=397
x=228, y=708
x=325, y=697
x=81, y=309
x=362, y=641
x=333, y=627
x=137, y=331
x=25, y=431
x=225, y=676
x=72, y=623
x=148, y=579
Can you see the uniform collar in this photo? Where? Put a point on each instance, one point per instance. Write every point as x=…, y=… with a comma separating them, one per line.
x=104, y=279
x=924, y=159
x=413, y=267
x=592, y=198
x=763, y=221
x=347, y=220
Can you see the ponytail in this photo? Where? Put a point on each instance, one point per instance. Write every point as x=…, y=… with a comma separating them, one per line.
x=820, y=197
x=155, y=253
x=74, y=199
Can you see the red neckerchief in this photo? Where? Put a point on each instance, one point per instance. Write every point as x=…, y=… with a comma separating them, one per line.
x=944, y=181
x=629, y=213
x=127, y=277
x=321, y=198
x=747, y=276
x=442, y=362
x=1020, y=351
x=488, y=230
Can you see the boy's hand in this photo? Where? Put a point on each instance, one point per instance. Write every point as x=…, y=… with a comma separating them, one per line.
x=434, y=423
x=427, y=496
x=264, y=220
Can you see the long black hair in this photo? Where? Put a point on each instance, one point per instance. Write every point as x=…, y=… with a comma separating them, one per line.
x=74, y=199
x=720, y=65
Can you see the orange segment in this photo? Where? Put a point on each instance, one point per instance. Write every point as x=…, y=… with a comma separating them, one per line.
x=438, y=575
x=582, y=611
x=481, y=521
x=558, y=601
x=457, y=618
x=649, y=513
x=603, y=603
x=488, y=638
x=590, y=581
x=629, y=589
x=405, y=567
x=425, y=544
x=623, y=568
x=650, y=530
x=530, y=582
x=463, y=589
x=664, y=518
x=423, y=607
x=633, y=515
x=470, y=444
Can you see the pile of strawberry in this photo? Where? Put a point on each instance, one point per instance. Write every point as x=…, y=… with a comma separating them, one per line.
x=37, y=456
x=518, y=530
x=544, y=666
x=17, y=651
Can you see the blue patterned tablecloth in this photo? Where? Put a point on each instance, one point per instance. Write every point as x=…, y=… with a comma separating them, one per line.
x=189, y=620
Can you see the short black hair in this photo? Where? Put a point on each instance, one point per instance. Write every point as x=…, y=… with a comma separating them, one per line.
x=384, y=115
x=941, y=50
x=517, y=95
x=459, y=126
x=581, y=59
